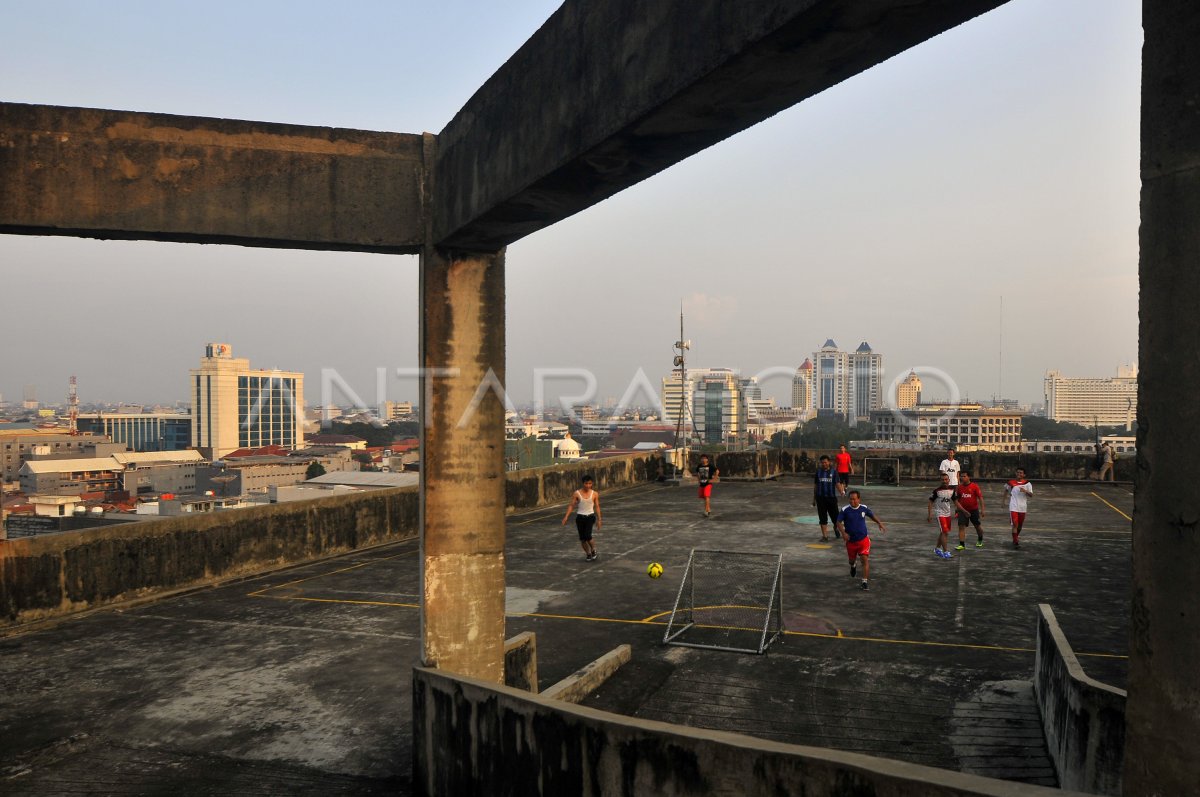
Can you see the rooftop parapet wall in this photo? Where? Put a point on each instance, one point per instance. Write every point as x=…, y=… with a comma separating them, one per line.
x=58, y=574
x=1084, y=720
x=767, y=463
x=469, y=736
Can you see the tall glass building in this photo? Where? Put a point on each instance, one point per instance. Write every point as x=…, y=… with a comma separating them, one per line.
x=235, y=406
x=148, y=431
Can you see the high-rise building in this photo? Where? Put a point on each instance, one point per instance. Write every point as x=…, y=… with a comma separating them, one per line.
x=802, y=388
x=848, y=385
x=676, y=396
x=1088, y=401
x=240, y=407
x=908, y=392
x=396, y=410
x=30, y=401
x=719, y=409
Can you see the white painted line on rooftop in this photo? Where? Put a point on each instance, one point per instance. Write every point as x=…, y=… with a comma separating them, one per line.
x=962, y=591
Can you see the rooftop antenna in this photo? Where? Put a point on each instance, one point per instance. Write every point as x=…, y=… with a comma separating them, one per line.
x=73, y=407
x=1000, y=364
x=680, y=361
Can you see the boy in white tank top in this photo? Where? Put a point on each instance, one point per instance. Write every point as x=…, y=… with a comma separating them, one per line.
x=585, y=503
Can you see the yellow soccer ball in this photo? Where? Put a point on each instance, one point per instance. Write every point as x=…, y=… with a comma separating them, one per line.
x=654, y=570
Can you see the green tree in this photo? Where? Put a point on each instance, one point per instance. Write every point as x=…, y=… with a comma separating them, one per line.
x=314, y=470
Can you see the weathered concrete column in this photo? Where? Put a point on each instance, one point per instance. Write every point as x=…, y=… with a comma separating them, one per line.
x=462, y=474
x=1163, y=713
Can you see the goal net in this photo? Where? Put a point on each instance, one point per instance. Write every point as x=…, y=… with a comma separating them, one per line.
x=881, y=470
x=728, y=600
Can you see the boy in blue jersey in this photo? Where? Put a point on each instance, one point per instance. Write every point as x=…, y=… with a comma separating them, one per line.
x=852, y=523
x=825, y=493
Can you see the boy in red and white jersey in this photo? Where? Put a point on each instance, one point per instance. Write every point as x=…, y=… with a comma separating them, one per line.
x=943, y=500
x=1018, y=491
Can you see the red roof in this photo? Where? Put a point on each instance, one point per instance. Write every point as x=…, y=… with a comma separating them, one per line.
x=265, y=451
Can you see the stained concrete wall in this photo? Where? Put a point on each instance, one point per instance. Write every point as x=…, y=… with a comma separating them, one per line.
x=769, y=463
x=73, y=571
x=1084, y=720
x=472, y=737
x=57, y=574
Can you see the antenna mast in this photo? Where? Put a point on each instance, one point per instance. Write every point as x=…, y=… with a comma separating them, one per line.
x=1000, y=365
x=680, y=361
x=73, y=407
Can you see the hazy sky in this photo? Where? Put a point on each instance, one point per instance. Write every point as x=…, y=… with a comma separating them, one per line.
x=997, y=160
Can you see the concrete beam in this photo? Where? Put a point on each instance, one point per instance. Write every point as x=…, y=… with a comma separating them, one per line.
x=115, y=174
x=462, y=454
x=605, y=95
x=1163, y=711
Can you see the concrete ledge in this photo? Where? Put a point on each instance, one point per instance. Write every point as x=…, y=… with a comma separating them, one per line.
x=520, y=662
x=470, y=736
x=1084, y=720
x=59, y=574
x=581, y=683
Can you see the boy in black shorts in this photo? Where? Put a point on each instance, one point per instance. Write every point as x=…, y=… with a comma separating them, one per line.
x=585, y=503
x=825, y=493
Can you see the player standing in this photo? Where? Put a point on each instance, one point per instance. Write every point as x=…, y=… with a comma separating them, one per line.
x=970, y=509
x=585, y=502
x=825, y=493
x=706, y=474
x=1018, y=490
x=950, y=466
x=852, y=523
x=845, y=466
x=943, y=500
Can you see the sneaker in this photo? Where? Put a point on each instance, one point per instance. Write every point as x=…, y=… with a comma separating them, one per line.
x=595, y=555
x=947, y=555
x=864, y=584
x=1016, y=544
x=979, y=544
x=707, y=513
x=853, y=571
x=937, y=552
x=962, y=546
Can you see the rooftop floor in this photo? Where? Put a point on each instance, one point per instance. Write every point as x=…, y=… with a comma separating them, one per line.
x=297, y=682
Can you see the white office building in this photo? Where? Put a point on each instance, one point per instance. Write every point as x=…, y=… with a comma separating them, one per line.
x=1087, y=401
x=236, y=406
x=719, y=408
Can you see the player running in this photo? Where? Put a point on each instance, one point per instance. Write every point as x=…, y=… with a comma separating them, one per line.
x=943, y=500
x=970, y=503
x=1018, y=490
x=852, y=523
x=845, y=467
x=706, y=474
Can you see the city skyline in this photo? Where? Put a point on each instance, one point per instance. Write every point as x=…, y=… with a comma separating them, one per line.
x=997, y=160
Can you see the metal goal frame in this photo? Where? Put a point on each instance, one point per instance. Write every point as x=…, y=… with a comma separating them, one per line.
x=895, y=468
x=685, y=604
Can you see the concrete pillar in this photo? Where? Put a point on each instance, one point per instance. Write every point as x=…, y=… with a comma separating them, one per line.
x=462, y=474
x=1163, y=714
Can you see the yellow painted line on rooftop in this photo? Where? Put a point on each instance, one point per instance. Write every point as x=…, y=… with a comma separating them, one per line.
x=334, y=600
x=329, y=573
x=653, y=621
x=1113, y=508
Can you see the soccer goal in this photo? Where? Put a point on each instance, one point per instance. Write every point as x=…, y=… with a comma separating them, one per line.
x=881, y=470
x=729, y=600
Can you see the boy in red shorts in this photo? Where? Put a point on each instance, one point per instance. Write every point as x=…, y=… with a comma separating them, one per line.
x=943, y=499
x=1018, y=490
x=852, y=523
x=706, y=474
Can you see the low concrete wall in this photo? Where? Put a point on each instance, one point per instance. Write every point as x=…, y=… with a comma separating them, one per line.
x=57, y=574
x=1084, y=720
x=536, y=487
x=472, y=737
x=769, y=463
